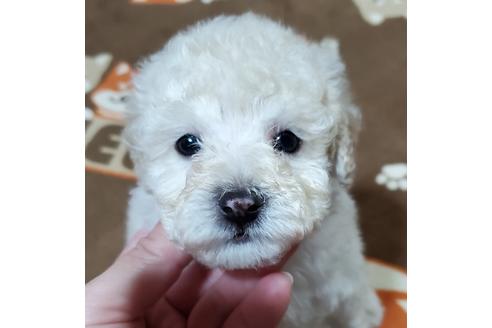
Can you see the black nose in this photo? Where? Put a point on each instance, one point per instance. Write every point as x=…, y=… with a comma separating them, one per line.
x=240, y=206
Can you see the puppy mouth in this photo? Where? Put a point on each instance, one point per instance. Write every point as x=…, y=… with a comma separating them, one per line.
x=241, y=235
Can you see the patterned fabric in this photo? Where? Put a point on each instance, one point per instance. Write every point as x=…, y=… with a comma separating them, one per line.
x=372, y=36
x=376, y=12
x=166, y=2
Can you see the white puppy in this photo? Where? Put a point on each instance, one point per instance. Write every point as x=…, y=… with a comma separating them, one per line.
x=242, y=133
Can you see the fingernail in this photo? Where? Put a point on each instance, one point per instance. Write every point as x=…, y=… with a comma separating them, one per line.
x=289, y=276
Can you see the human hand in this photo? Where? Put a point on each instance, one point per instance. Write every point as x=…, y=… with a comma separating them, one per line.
x=153, y=284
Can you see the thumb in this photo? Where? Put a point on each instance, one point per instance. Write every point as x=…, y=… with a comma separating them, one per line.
x=139, y=276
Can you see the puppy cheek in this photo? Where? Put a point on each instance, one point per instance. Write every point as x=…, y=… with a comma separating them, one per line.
x=171, y=201
x=315, y=183
x=311, y=203
x=194, y=219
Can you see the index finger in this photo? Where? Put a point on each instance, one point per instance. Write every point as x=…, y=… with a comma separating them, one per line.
x=139, y=276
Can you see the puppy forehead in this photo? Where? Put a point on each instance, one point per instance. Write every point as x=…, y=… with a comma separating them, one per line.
x=242, y=83
x=232, y=57
x=250, y=117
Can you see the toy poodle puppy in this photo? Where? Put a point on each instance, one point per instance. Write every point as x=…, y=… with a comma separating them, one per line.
x=242, y=133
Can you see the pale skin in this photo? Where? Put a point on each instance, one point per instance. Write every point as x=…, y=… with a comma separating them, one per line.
x=153, y=284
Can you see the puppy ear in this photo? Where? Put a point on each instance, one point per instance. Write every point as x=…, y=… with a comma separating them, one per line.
x=341, y=151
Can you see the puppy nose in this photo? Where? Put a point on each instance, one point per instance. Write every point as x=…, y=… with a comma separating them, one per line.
x=240, y=206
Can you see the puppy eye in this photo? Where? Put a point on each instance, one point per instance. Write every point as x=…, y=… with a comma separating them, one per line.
x=188, y=145
x=287, y=142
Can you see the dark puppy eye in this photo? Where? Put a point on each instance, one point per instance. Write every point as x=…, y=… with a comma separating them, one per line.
x=188, y=145
x=287, y=142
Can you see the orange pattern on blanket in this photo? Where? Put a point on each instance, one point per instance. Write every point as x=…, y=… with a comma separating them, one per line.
x=394, y=315
x=390, y=282
x=111, y=95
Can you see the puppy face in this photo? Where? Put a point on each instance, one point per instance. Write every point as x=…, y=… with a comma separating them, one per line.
x=237, y=130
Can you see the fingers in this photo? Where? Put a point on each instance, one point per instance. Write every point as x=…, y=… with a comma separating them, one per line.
x=265, y=306
x=164, y=315
x=213, y=308
x=191, y=285
x=220, y=299
x=145, y=271
x=137, y=278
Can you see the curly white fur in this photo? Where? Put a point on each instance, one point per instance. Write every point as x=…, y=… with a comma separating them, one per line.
x=235, y=81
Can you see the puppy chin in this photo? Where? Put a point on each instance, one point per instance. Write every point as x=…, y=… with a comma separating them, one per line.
x=241, y=255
